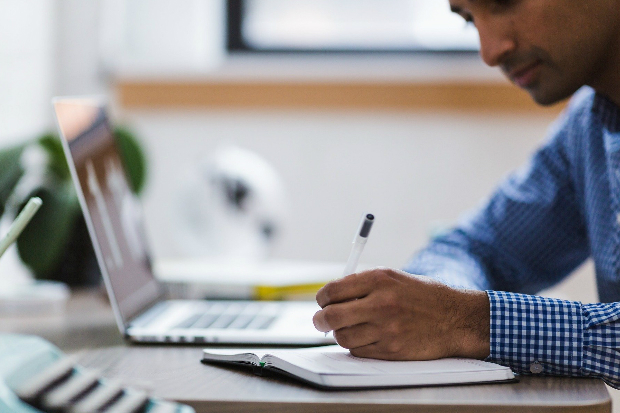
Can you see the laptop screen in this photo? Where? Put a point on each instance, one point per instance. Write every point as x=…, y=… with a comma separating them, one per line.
x=111, y=210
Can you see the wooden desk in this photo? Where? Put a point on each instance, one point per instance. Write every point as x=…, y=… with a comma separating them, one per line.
x=176, y=373
x=86, y=322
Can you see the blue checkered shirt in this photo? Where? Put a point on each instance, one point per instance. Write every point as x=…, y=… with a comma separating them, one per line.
x=542, y=222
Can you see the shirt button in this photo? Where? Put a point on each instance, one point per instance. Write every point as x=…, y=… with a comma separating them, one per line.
x=536, y=368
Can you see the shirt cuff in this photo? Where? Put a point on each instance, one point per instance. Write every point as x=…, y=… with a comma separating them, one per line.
x=601, y=342
x=536, y=335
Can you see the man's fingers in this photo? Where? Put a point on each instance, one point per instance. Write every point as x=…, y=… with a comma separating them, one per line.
x=340, y=315
x=352, y=286
x=382, y=350
x=357, y=336
x=372, y=350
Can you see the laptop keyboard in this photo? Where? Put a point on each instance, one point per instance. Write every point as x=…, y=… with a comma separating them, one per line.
x=240, y=316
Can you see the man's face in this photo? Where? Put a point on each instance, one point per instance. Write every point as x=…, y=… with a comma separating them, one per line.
x=548, y=47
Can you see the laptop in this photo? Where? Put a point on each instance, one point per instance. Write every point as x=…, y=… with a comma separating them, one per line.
x=113, y=216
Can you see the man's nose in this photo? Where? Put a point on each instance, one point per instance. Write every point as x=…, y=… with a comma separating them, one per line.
x=496, y=43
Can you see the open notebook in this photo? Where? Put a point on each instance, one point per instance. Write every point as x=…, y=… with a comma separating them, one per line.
x=335, y=367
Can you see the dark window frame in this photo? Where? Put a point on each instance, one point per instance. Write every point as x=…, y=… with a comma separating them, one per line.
x=235, y=42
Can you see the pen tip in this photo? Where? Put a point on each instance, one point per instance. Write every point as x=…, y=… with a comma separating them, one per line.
x=366, y=225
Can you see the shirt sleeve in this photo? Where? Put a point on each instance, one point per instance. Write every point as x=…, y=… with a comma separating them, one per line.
x=527, y=236
x=539, y=335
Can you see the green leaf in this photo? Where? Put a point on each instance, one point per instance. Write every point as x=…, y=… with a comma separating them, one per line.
x=44, y=240
x=57, y=160
x=11, y=168
x=133, y=158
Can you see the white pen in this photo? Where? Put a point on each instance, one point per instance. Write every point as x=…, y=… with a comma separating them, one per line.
x=361, y=236
x=20, y=223
x=359, y=241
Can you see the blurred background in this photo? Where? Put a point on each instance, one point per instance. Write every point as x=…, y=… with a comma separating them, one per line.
x=344, y=107
x=355, y=105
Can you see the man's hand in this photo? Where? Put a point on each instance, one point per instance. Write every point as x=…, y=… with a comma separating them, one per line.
x=389, y=314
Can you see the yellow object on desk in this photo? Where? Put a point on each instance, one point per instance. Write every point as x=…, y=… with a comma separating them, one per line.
x=253, y=280
x=287, y=292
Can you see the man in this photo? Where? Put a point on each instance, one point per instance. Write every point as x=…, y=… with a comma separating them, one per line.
x=540, y=224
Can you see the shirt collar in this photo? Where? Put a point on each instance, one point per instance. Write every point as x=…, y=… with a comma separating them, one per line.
x=607, y=111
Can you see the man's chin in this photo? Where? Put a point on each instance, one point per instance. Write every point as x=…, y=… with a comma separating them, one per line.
x=544, y=100
x=548, y=98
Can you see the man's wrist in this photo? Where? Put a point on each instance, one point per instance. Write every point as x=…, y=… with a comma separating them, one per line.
x=472, y=325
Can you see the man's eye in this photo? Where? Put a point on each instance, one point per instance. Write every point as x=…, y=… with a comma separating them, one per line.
x=469, y=20
x=503, y=4
x=466, y=15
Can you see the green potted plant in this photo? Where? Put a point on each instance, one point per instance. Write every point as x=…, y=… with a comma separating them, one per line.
x=55, y=245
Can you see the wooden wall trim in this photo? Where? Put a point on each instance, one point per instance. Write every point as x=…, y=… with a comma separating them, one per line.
x=493, y=97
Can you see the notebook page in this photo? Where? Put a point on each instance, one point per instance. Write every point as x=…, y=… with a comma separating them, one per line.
x=343, y=363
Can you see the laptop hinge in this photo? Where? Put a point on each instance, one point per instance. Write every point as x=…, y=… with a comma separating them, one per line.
x=148, y=315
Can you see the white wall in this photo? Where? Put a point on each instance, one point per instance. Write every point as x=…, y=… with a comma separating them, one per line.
x=77, y=58
x=26, y=68
x=410, y=169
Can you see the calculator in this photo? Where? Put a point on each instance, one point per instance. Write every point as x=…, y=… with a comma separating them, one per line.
x=36, y=377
